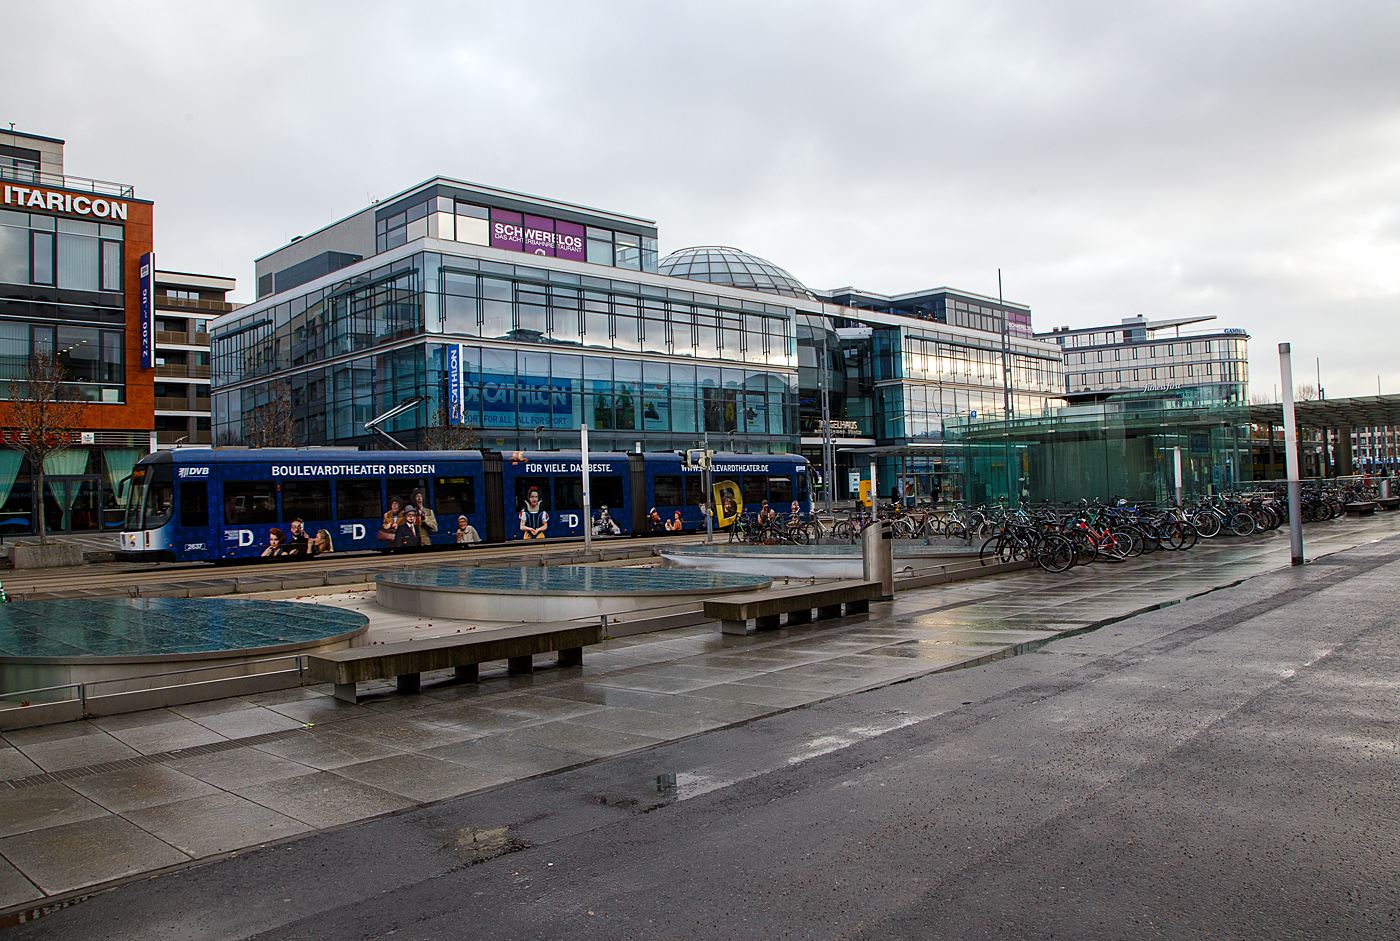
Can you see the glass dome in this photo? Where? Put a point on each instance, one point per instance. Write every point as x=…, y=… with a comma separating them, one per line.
x=719, y=264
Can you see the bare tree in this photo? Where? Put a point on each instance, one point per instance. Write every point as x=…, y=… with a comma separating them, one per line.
x=1260, y=398
x=1307, y=392
x=45, y=419
x=442, y=435
x=271, y=425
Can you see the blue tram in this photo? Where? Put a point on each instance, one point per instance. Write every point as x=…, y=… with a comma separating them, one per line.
x=205, y=505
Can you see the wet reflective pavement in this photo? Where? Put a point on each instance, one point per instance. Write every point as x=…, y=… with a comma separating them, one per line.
x=87, y=803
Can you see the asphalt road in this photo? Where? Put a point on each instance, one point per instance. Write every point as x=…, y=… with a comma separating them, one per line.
x=1219, y=769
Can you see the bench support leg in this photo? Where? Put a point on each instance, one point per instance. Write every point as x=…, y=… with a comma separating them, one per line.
x=469, y=673
x=524, y=664
x=345, y=692
x=571, y=657
x=800, y=616
x=729, y=626
x=830, y=611
x=858, y=607
x=768, y=623
x=410, y=682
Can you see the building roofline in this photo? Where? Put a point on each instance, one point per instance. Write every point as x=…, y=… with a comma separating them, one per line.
x=909, y=295
x=490, y=190
x=1132, y=323
x=51, y=140
x=163, y=274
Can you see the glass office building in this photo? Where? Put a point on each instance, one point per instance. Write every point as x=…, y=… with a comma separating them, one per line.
x=518, y=319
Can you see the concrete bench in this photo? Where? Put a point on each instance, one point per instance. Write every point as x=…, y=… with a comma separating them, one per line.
x=1389, y=503
x=408, y=660
x=1360, y=509
x=764, y=607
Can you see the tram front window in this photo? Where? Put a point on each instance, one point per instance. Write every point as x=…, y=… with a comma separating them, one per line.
x=136, y=498
x=160, y=497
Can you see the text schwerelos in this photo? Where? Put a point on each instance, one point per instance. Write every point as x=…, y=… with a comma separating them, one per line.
x=348, y=470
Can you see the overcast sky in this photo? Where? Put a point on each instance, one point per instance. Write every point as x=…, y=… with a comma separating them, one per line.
x=1112, y=157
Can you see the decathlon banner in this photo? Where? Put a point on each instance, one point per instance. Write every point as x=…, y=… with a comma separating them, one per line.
x=148, y=310
x=454, y=384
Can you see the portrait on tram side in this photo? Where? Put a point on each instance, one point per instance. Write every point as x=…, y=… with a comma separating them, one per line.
x=276, y=543
x=673, y=525
x=322, y=543
x=466, y=532
x=409, y=533
x=298, y=542
x=534, y=518
x=605, y=525
x=427, y=520
x=389, y=527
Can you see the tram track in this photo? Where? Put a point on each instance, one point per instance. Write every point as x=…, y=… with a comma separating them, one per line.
x=182, y=580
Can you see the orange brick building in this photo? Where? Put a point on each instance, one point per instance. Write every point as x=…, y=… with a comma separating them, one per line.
x=71, y=253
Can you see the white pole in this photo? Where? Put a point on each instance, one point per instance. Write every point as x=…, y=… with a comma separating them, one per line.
x=587, y=508
x=1179, y=485
x=873, y=503
x=1290, y=453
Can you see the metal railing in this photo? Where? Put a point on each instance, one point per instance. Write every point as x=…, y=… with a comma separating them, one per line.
x=82, y=692
x=62, y=181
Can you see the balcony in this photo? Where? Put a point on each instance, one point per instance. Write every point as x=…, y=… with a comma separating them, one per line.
x=173, y=404
x=184, y=303
x=60, y=181
x=181, y=338
x=182, y=371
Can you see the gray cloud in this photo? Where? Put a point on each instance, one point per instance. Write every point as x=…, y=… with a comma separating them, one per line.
x=1236, y=159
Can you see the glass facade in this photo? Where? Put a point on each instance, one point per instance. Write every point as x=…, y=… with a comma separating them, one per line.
x=64, y=297
x=1105, y=451
x=541, y=352
x=731, y=267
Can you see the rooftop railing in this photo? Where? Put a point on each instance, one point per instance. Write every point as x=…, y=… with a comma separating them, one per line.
x=60, y=181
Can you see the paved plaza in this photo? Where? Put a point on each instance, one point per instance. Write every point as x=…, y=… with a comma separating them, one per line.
x=95, y=802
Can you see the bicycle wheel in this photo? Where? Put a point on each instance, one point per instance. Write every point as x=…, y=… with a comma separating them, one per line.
x=1242, y=524
x=842, y=530
x=991, y=550
x=903, y=529
x=1207, y=524
x=1056, y=554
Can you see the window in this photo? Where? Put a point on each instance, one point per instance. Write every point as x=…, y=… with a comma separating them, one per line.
x=41, y=255
x=568, y=493
x=194, y=504
x=306, y=500
x=454, y=496
x=79, y=262
x=357, y=499
x=249, y=503
x=694, y=489
x=606, y=491
x=754, y=489
x=403, y=489
x=780, y=491
x=669, y=491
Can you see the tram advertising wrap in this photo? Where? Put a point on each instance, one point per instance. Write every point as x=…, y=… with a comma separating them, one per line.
x=198, y=504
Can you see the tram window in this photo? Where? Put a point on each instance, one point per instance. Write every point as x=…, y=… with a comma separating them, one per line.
x=669, y=491
x=694, y=489
x=136, y=498
x=755, y=490
x=357, y=499
x=780, y=490
x=306, y=500
x=454, y=496
x=194, y=504
x=568, y=493
x=801, y=492
x=605, y=491
x=401, y=488
x=160, y=497
x=523, y=486
x=249, y=502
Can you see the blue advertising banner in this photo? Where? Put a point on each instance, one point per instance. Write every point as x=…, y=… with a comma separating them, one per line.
x=148, y=310
x=454, y=384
